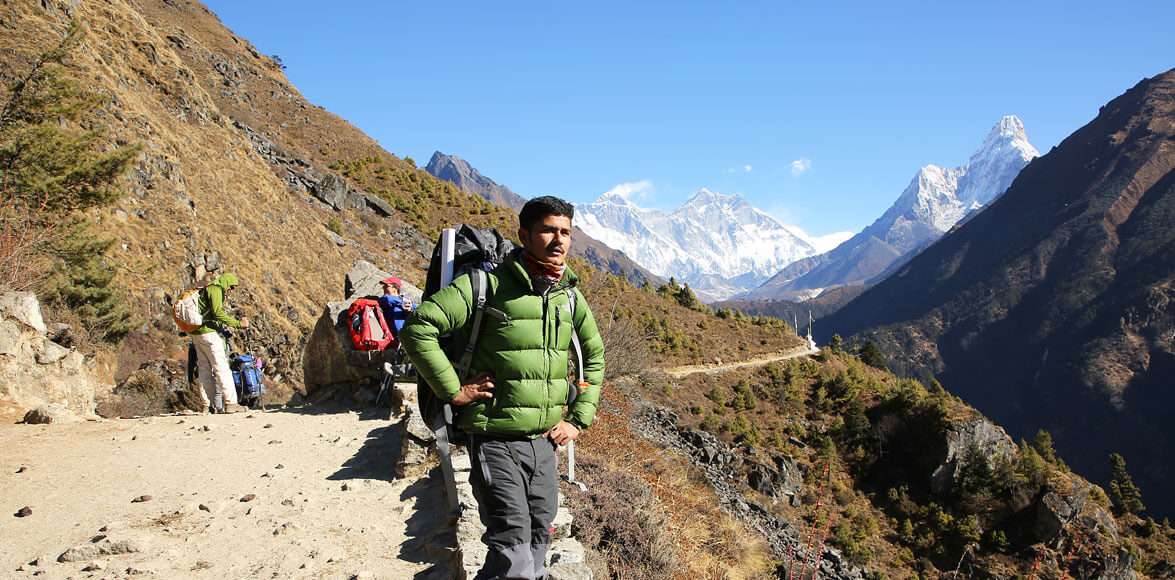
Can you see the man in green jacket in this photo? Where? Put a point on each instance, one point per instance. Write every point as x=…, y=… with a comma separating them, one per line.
x=219, y=393
x=513, y=403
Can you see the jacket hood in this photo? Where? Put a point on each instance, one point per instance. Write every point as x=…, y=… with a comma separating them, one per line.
x=227, y=280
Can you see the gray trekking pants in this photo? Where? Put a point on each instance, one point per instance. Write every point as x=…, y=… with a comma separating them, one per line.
x=517, y=490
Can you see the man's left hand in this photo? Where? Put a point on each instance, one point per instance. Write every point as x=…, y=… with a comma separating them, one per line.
x=563, y=433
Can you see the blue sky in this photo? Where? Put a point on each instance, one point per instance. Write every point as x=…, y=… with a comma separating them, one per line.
x=574, y=99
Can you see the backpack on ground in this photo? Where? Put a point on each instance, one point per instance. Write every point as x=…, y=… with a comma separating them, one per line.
x=186, y=311
x=365, y=322
x=247, y=372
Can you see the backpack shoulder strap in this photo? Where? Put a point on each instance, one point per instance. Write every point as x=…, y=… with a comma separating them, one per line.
x=575, y=345
x=478, y=281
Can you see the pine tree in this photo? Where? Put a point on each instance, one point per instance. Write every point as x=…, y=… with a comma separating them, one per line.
x=1126, y=496
x=1043, y=443
x=871, y=355
x=836, y=344
x=51, y=172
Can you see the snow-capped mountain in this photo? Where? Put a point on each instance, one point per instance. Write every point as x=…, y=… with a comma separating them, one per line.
x=718, y=244
x=934, y=201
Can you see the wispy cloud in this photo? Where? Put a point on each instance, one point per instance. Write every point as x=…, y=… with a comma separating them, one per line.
x=745, y=169
x=800, y=166
x=632, y=190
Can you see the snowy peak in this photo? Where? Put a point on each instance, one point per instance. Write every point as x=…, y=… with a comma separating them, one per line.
x=718, y=243
x=934, y=201
x=1006, y=139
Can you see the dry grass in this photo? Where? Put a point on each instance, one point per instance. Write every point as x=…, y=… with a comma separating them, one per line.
x=650, y=514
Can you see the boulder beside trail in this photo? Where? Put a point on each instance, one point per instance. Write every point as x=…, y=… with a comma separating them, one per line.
x=329, y=363
x=35, y=371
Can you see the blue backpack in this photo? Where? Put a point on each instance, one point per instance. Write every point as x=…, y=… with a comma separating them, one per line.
x=247, y=377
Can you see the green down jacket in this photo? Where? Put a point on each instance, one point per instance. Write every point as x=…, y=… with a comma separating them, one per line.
x=524, y=341
x=212, y=305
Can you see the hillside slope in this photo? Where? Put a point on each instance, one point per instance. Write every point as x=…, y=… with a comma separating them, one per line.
x=1052, y=308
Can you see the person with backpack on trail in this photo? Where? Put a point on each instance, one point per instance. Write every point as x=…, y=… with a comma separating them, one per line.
x=219, y=392
x=395, y=306
x=513, y=404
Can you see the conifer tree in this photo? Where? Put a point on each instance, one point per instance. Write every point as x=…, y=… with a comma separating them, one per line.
x=1125, y=495
x=53, y=169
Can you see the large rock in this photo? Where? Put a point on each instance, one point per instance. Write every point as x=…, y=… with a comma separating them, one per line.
x=991, y=440
x=363, y=280
x=331, y=190
x=328, y=361
x=35, y=371
x=23, y=307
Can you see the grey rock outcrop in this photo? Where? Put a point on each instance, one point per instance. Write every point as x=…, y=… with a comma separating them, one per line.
x=36, y=372
x=329, y=363
x=989, y=439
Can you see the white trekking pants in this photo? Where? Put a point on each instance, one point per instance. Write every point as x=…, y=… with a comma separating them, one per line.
x=215, y=374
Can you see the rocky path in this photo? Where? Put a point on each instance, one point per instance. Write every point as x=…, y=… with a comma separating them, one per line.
x=678, y=372
x=279, y=494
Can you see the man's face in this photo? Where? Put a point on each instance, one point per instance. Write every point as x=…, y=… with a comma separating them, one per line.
x=390, y=290
x=548, y=239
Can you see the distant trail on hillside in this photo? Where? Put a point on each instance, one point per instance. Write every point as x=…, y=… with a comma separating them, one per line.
x=682, y=371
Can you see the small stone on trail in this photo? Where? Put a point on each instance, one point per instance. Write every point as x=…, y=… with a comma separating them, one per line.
x=249, y=497
x=134, y=437
x=275, y=442
x=180, y=422
x=206, y=428
x=95, y=566
x=365, y=575
x=22, y=469
x=205, y=508
x=268, y=426
x=279, y=466
x=266, y=474
x=346, y=487
x=141, y=499
x=104, y=528
x=24, y=512
x=288, y=502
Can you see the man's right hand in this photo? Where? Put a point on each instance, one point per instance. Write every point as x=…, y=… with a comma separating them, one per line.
x=480, y=388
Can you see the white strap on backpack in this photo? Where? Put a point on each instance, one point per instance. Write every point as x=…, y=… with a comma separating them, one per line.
x=478, y=282
x=573, y=390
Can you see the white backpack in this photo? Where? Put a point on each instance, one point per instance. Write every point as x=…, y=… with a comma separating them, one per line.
x=186, y=311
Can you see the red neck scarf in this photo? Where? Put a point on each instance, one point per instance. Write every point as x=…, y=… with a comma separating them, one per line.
x=544, y=273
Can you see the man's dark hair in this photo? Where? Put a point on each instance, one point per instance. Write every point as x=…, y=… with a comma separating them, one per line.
x=540, y=207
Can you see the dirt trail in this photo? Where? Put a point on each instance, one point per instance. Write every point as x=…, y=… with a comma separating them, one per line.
x=678, y=372
x=326, y=505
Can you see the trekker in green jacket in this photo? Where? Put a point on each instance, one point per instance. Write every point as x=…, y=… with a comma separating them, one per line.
x=513, y=404
x=219, y=393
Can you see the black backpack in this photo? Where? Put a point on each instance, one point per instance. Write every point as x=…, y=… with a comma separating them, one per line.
x=476, y=251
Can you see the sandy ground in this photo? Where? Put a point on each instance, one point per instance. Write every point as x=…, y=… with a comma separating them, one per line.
x=678, y=372
x=326, y=502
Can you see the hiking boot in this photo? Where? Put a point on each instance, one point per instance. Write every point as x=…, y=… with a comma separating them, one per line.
x=233, y=408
